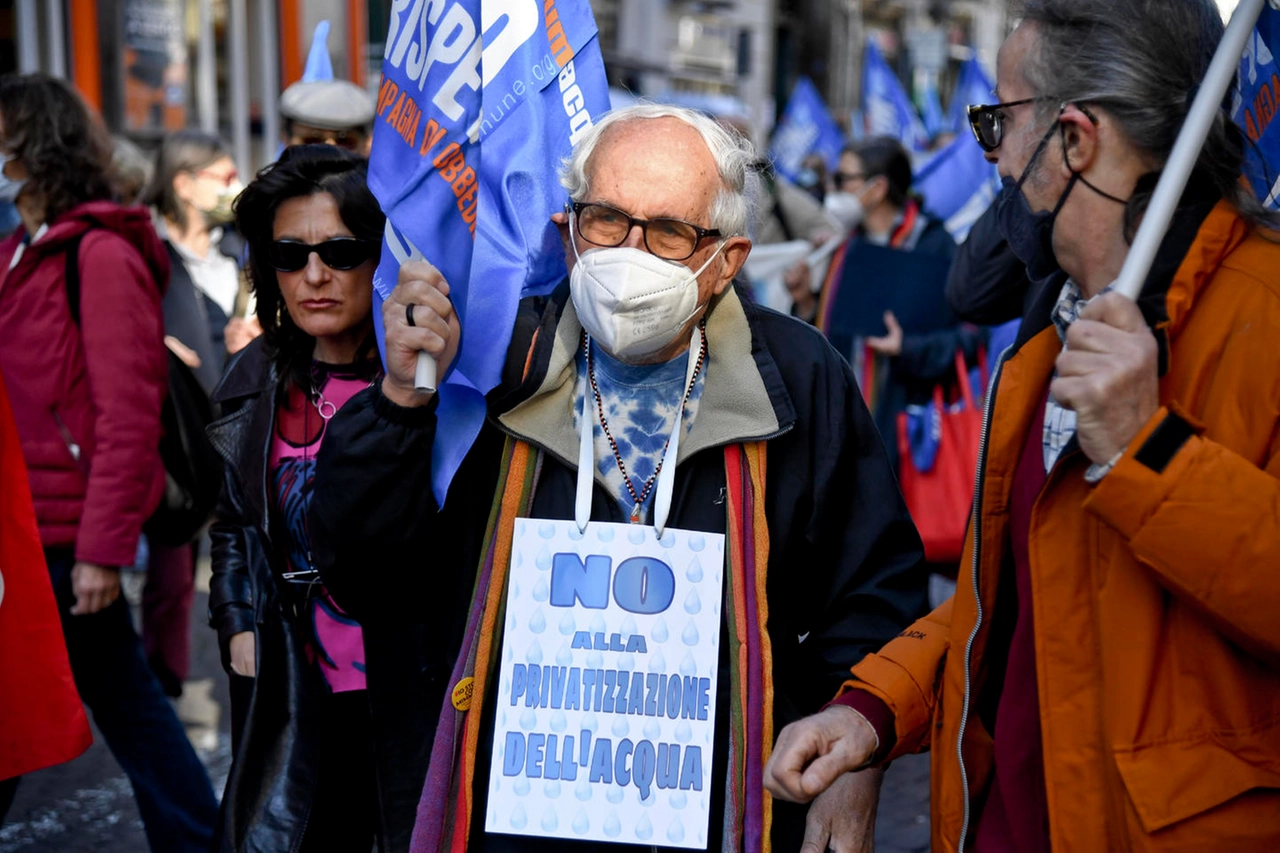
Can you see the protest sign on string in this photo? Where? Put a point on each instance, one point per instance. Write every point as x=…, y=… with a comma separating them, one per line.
x=605, y=722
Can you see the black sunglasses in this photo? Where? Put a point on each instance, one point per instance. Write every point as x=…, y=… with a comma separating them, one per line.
x=987, y=122
x=339, y=253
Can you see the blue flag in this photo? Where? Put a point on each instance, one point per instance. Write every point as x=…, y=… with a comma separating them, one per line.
x=1255, y=105
x=319, y=66
x=958, y=185
x=886, y=108
x=478, y=104
x=931, y=108
x=806, y=126
x=973, y=86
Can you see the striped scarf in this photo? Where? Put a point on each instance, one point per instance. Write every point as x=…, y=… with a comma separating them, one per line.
x=445, y=810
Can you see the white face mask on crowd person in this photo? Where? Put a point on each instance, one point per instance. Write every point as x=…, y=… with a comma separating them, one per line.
x=10, y=188
x=212, y=190
x=631, y=302
x=846, y=207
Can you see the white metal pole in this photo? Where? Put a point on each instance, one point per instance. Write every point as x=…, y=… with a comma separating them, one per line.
x=206, y=70
x=238, y=56
x=57, y=35
x=1177, y=171
x=28, y=36
x=268, y=40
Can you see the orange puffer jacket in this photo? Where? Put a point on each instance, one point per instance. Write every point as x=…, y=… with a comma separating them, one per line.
x=1156, y=593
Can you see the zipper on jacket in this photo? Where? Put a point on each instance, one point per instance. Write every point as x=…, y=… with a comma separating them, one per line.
x=73, y=446
x=977, y=625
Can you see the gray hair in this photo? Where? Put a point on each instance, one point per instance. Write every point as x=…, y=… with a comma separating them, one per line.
x=1142, y=62
x=733, y=153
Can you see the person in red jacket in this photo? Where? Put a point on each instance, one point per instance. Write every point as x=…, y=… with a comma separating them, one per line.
x=86, y=375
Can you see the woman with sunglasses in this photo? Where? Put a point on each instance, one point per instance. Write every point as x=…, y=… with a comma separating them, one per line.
x=303, y=775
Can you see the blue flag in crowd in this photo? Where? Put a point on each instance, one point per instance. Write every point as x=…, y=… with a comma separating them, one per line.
x=886, y=108
x=973, y=86
x=806, y=126
x=1256, y=104
x=478, y=104
x=931, y=108
x=958, y=185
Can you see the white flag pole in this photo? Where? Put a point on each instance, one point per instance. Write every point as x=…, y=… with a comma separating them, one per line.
x=1155, y=222
x=424, y=375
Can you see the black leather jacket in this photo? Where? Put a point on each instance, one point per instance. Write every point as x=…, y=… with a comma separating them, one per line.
x=273, y=777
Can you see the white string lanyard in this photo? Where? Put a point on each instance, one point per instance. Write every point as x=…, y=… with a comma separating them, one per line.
x=665, y=485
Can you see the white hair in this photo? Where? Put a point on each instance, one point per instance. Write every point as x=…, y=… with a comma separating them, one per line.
x=733, y=153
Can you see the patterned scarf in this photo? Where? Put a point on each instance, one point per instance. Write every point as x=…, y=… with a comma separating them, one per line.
x=444, y=813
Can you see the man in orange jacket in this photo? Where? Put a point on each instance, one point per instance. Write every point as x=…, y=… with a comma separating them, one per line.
x=1107, y=676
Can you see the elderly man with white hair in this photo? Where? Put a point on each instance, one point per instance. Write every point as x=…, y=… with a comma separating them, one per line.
x=649, y=340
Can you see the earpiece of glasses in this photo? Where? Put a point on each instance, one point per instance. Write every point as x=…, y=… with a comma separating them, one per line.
x=339, y=253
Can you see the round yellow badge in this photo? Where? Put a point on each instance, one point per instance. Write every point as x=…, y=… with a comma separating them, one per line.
x=462, y=693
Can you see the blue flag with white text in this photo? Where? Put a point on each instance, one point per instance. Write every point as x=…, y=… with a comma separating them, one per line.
x=806, y=126
x=958, y=185
x=886, y=108
x=478, y=104
x=1255, y=105
x=973, y=86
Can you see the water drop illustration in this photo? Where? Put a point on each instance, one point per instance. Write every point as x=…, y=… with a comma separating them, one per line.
x=621, y=727
x=697, y=542
x=564, y=657
x=679, y=800
x=552, y=789
x=688, y=667
x=628, y=626
x=547, y=531
x=614, y=794
x=538, y=621
x=575, y=534
x=668, y=540
x=595, y=660
x=550, y=820
x=693, y=604
x=521, y=787
x=515, y=590
x=660, y=632
x=626, y=661
x=581, y=824
x=597, y=624
x=636, y=534
x=612, y=826
x=518, y=818
x=652, y=730
x=559, y=722
x=583, y=789
x=590, y=723
x=541, y=592
x=543, y=560
x=568, y=625
x=604, y=533
x=534, y=655
x=694, y=572
x=657, y=662
x=529, y=719
x=684, y=732
x=690, y=635
x=675, y=832
x=644, y=829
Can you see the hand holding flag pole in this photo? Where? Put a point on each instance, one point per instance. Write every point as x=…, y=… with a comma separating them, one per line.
x=1195, y=130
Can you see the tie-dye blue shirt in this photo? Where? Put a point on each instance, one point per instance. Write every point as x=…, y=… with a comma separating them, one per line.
x=640, y=404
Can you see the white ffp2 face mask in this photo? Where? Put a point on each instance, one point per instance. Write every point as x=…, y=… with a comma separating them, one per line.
x=846, y=208
x=633, y=303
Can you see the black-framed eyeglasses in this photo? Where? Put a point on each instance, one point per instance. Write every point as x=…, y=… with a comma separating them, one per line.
x=987, y=122
x=339, y=253
x=669, y=239
x=839, y=179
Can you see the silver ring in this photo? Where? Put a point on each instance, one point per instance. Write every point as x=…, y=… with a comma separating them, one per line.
x=408, y=313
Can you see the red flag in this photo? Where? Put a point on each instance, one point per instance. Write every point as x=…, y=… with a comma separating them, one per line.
x=42, y=720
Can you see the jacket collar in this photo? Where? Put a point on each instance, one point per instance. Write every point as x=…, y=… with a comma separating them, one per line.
x=243, y=435
x=743, y=398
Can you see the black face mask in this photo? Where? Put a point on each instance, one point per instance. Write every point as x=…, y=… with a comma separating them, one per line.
x=1030, y=234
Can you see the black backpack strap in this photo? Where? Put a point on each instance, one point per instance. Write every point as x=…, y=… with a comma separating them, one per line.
x=73, y=278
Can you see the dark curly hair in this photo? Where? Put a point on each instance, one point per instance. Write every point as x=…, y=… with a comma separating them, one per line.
x=64, y=148
x=303, y=170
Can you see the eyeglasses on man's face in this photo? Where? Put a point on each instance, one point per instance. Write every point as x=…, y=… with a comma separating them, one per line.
x=669, y=239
